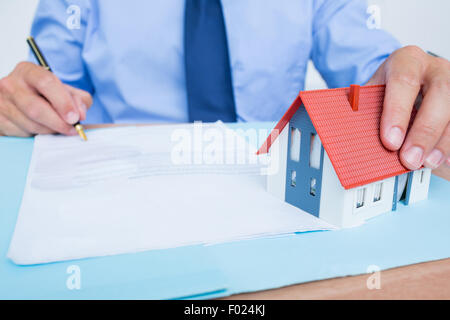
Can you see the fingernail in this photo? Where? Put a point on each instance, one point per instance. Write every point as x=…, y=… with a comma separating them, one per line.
x=434, y=159
x=414, y=156
x=72, y=117
x=448, y=161
x=395, y=137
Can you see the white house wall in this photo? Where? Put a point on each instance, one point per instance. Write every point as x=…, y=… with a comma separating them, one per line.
x=337, y=205
x=333, y=195
x=276, y=181
x=419, y=189
x=355, y=216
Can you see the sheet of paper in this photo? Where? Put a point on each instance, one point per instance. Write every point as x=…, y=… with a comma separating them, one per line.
x=143, y=188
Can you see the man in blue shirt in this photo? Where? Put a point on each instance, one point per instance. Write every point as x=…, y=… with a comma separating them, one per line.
x=129, y=60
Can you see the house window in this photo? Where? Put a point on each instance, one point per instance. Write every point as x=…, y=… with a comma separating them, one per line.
x=377, y=192
x=295, y=144
x=360, y=197
x=293, y=178
x=315, y=152
x=312, y=187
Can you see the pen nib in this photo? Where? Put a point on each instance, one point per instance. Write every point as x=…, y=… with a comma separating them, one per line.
x=80, y=131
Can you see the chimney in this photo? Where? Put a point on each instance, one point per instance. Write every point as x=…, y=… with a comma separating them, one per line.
x=353, y=97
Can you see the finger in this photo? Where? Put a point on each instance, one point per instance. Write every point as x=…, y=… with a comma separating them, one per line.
x=85, y=96
x=54, y=91
x=81, y=107
x=402, y=87
x=443, y=171
x=20, y=120
x=427, y=129
x=82, y=99
x=7, y=128
x=31, y=108
x=440, y=152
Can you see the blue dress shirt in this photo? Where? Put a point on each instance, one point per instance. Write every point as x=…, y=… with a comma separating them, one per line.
x=129, y=54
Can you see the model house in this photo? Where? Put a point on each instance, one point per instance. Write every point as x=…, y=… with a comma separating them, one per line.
x=333, y=164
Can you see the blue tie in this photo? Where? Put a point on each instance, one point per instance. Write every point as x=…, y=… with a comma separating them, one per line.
x=207, y=63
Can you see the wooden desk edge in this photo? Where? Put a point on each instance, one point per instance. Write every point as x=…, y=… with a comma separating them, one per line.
x=427, y=280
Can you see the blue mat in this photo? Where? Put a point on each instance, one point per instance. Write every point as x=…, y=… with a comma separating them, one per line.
x=413, y=234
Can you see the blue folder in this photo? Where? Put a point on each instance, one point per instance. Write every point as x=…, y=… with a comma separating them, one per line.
x=418, y=233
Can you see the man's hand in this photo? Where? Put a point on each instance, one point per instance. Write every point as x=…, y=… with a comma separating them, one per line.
x=34, y=101
x=407, y=72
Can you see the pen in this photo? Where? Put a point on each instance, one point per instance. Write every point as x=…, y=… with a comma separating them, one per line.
x=40, y=58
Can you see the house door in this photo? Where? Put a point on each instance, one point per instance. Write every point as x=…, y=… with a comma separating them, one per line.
x=304, y=164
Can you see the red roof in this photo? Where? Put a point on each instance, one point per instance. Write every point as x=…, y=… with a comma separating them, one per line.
x=350, y=138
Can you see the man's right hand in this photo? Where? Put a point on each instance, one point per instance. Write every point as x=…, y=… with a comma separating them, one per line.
x=34, y=101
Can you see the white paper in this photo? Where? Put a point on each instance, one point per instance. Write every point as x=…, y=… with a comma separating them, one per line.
x=121, y=192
